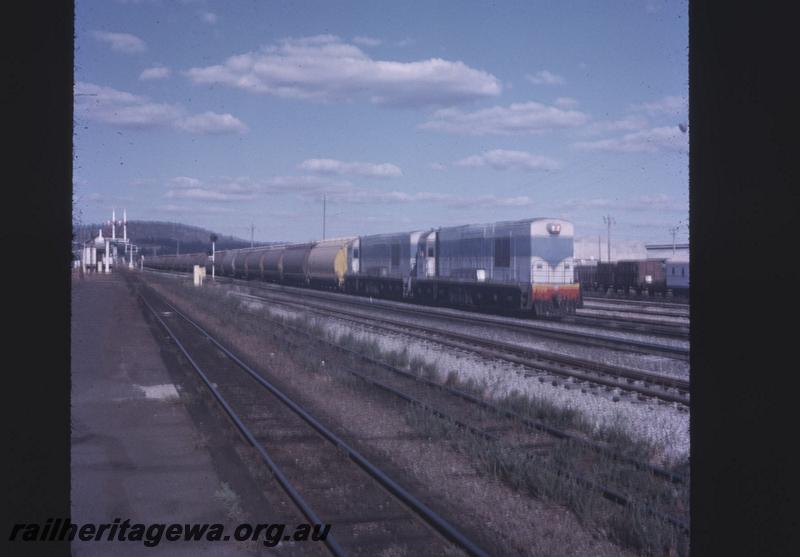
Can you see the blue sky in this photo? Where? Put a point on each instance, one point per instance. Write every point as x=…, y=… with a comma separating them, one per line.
x=403, y=115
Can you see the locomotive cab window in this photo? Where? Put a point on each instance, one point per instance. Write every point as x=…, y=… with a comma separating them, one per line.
x=430, y=252
x=355, y=253
x=395, y=255
x=502, y=252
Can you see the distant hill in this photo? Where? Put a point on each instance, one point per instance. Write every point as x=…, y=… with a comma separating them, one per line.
x=166, y=237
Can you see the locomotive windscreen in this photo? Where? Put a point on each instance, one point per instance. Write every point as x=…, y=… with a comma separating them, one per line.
x=553, y=249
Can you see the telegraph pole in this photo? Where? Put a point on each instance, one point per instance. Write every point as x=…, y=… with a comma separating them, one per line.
x=324, y=207
x=252, y=231
x=599, y=250
x=674, y=230
x=609, y=220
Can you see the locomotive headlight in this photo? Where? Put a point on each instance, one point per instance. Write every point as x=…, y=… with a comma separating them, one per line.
x=648, y=279
x=554, y=228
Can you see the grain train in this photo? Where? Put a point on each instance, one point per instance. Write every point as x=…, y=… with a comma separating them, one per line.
x=523, y=266
x=643, y=276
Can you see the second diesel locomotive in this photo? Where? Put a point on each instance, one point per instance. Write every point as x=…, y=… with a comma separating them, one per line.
x=521, y=265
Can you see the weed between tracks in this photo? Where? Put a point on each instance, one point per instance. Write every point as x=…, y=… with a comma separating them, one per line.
x=230, y=500
x=547, y=472
x=550, y=473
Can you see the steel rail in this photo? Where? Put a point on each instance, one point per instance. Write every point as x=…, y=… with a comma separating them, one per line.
x=330, y=542
x=439, y=524
x=532, y=424
x=608, y=493
x=638, y=301
x=529, y=327
x=597, y=305
x=467, y=342
x=679, y=331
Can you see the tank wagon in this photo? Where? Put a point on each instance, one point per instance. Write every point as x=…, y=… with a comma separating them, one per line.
x=516, y=265
x=329, y=262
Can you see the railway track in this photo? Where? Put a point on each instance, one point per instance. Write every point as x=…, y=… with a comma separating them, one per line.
x=640, y=310
x=668, y=330
x=618, y=482
x=306, y=458
x=542, y=328
x=496, y=424
x=655, y=302
x=579, y=371
x=479, y=404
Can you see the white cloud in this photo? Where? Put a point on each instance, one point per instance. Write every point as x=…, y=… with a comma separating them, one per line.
x=211, y=123
x=156, y=72
x=566, y=102
x=184, y=182
x=437, y=166
x=674, y=105
x=367, y=41
x=656, y=202
x=585, y=203
x=312, y=187
x=126, y=110
x=193, y=210
x=202, y=194
x=209, y=17
x=545, y=77
x=332, y=166
x=501, y=159
x=371, y=196
x=306, y=184
x=323, y=68
x=107, y=105
x=529, y=117
x=630, y=123
x=219, y=189
x=121, y=42
x=646, y=141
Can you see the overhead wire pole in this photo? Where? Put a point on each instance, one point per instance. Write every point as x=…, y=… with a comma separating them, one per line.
x=324, y=207
x=609, y=220
x=213, y=239
x=252, y=232
x=674, y=231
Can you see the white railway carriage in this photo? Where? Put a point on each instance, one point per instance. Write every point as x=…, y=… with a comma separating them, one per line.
x=677, y=271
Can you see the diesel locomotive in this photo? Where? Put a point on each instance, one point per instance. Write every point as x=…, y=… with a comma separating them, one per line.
x=524, y=266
